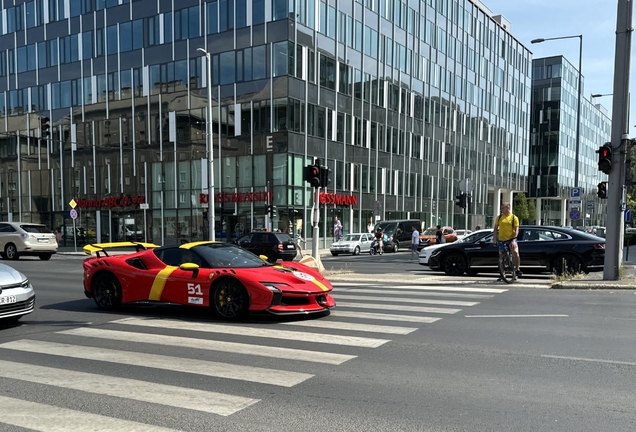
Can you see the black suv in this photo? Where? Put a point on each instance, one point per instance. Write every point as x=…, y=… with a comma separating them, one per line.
x=274, y=246
x=399, y=232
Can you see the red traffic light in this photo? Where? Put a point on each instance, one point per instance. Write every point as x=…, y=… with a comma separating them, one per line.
x=605, y=158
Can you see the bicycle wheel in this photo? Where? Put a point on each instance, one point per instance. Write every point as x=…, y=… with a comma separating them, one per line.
x=506, y=268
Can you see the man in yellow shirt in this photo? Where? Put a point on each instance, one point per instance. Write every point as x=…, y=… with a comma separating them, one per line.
x=506, y=231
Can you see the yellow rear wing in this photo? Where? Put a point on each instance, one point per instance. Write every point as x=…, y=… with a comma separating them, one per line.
x=97, y=248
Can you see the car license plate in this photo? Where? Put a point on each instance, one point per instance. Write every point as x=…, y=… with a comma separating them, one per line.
x=43, y=240
x=7, y=300
x=290, y=246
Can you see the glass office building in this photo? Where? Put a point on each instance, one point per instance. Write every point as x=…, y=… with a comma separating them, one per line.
x=553, y=144
x=104, y=103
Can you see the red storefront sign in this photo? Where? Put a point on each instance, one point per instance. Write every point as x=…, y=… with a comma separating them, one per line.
x=120, y=201
x=338, y=199
x=238, y=197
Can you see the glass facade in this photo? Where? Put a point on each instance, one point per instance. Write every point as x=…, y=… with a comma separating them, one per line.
x=553, y=141
x=402, y=100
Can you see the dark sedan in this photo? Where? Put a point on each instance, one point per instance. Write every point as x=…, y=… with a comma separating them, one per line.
x=553, y=249
x=274, y=246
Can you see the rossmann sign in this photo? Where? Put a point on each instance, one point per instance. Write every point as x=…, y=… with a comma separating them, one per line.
x=238, y=197
x=338, y=199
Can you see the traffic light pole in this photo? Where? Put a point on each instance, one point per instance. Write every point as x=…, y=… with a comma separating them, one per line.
x=620, y=141
x=315, y=220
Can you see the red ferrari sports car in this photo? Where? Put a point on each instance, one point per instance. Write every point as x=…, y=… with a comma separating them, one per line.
x=229, y=280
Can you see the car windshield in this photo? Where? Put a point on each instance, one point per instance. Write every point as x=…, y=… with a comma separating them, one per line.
x=351, y=237
x=387, y=227
x=430, y=232
x=283, y=237
x=35, y=229
x=473, y=237
x=228, y=255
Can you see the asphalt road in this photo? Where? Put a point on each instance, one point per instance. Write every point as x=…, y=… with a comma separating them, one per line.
x=440, y=355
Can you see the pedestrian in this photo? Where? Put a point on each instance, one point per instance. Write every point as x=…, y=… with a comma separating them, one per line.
x=415, y=242
x=439, y=235
x=58, y=236
x=337, y=228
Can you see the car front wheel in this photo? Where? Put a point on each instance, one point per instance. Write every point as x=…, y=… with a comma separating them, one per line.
x=454, y=265
x=229, y=299
x=356, y=251
x=11, y=252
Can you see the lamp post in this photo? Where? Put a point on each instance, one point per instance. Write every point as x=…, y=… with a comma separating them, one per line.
x=578, y=106
x=210, y=150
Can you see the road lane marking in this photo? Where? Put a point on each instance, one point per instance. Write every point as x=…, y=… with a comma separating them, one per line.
x=371, y=328
x=47, y=418
x=199, y=367
x=212, y=345
x=515, y=316
x=410, y=293
x=384, y=317
x=393, y=307
x=167, y=395
x=590, y=360
x=422, y=287
x=236, y=330
x=401, y=299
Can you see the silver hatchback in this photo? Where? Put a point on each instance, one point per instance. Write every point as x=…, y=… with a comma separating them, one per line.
x=17, y=297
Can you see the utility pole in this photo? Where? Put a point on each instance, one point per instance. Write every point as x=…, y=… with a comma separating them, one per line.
x=620, y=141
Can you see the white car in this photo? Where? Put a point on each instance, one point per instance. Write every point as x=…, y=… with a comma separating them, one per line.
x=426, y=252
x=24, y=238
x=352, y=243
x=462, y=233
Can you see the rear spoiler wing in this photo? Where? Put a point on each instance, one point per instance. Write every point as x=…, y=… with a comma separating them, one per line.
x=100, y=248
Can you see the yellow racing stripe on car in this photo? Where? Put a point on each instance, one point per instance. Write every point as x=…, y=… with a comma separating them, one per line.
x=320, y=285
x=160, y=282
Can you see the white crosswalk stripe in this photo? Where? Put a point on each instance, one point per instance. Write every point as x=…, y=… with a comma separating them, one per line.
x=47, y=418
x=337, y=325
x=200, y=400
x=402, y=299
x=205, y=344
x=393, y=307
x=199, y=367
x=383, y=317
x=387, y=291
x=423, y=287
x=254, y=332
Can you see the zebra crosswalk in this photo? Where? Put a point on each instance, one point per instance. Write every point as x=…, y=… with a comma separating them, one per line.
x=131, y=359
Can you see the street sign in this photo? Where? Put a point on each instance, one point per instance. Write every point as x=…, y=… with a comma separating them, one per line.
x=628, y=215
x=575, y=203
x=575, y=192
x=73, y=204
x=590, y=205
x=74, y=214
x=575, y=214
x=144, y=206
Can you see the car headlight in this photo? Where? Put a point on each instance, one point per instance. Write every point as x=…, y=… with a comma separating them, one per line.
x=437, y=252
x=274, y=286
x=24, y=284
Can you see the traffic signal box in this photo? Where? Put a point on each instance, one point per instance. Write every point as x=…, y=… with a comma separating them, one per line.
x=45, y=127
x=271, y=211
x=312, y=175
x=461, y=200
x=605, y=158
x=602, y=190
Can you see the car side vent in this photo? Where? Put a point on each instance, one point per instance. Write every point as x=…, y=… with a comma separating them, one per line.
x=137, y=263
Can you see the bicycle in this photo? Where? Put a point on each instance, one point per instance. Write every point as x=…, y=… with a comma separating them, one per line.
x=506, y=264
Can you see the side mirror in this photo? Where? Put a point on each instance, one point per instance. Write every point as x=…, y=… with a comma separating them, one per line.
x=263, y=257
x=194, y=268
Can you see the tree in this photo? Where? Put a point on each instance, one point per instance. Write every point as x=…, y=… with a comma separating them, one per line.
x=532, y=211
x=520, y=208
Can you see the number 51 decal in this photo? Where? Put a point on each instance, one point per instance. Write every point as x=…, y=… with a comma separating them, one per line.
x=194, y=289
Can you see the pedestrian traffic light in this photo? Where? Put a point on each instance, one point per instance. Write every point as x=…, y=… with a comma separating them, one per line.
x=602, y=190
x=324, y=176
x=44, y=127
x=605, y=158
x=271, y=211
x=461, y=200
x=313, y=175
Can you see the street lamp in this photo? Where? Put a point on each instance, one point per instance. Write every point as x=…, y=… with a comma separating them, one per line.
x=210, y=150
x=578, y=106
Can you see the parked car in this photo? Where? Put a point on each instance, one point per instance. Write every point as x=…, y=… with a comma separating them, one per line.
x=553, y=249
x=274, y=246
x=17, y=297
x=474, y=237
x=398, y=232
x=461, y=233
x=352, y=243
x=429, y=237
x=22, y=238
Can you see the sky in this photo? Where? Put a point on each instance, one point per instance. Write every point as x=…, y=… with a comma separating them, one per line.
x=594, y=19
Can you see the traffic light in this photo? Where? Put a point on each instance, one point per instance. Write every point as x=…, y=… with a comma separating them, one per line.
x=324, y=176
x=313, y=175
x=44, y=127
x=461, y=200
x=605, y=158
x=271, y=211
x=602, y=190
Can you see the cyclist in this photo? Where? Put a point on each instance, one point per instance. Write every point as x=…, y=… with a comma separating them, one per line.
x=506, y=231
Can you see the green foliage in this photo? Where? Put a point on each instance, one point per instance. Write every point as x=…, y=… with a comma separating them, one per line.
x=520, y=207
x=532, y=211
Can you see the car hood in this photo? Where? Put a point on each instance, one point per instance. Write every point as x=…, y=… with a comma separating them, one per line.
x=10, y=276
x=298, y=278
x=436, y=246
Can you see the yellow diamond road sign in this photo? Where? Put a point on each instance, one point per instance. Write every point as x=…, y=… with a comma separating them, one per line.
x=73, y=204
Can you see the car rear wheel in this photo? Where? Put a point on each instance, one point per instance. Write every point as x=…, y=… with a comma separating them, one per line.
x=229, y=299
x=106, y=291
x=334, y=253
x=271, y=257
x=356, y=251
x=566, y=263
x=454, y=265
x=45, y=256
x=396, y=247
x=10, y=320
x=11, y=252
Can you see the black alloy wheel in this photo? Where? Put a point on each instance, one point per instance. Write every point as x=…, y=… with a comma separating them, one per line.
x=229, y=299
x=271, y=257
x=454, y=265
x=106, y=291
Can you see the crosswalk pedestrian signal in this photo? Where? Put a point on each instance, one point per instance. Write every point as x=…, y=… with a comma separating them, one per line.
x=324, y=176
x=602, y=190
x=605, y=158
x=460, y=200
x=271, y=211
x=313, y=175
